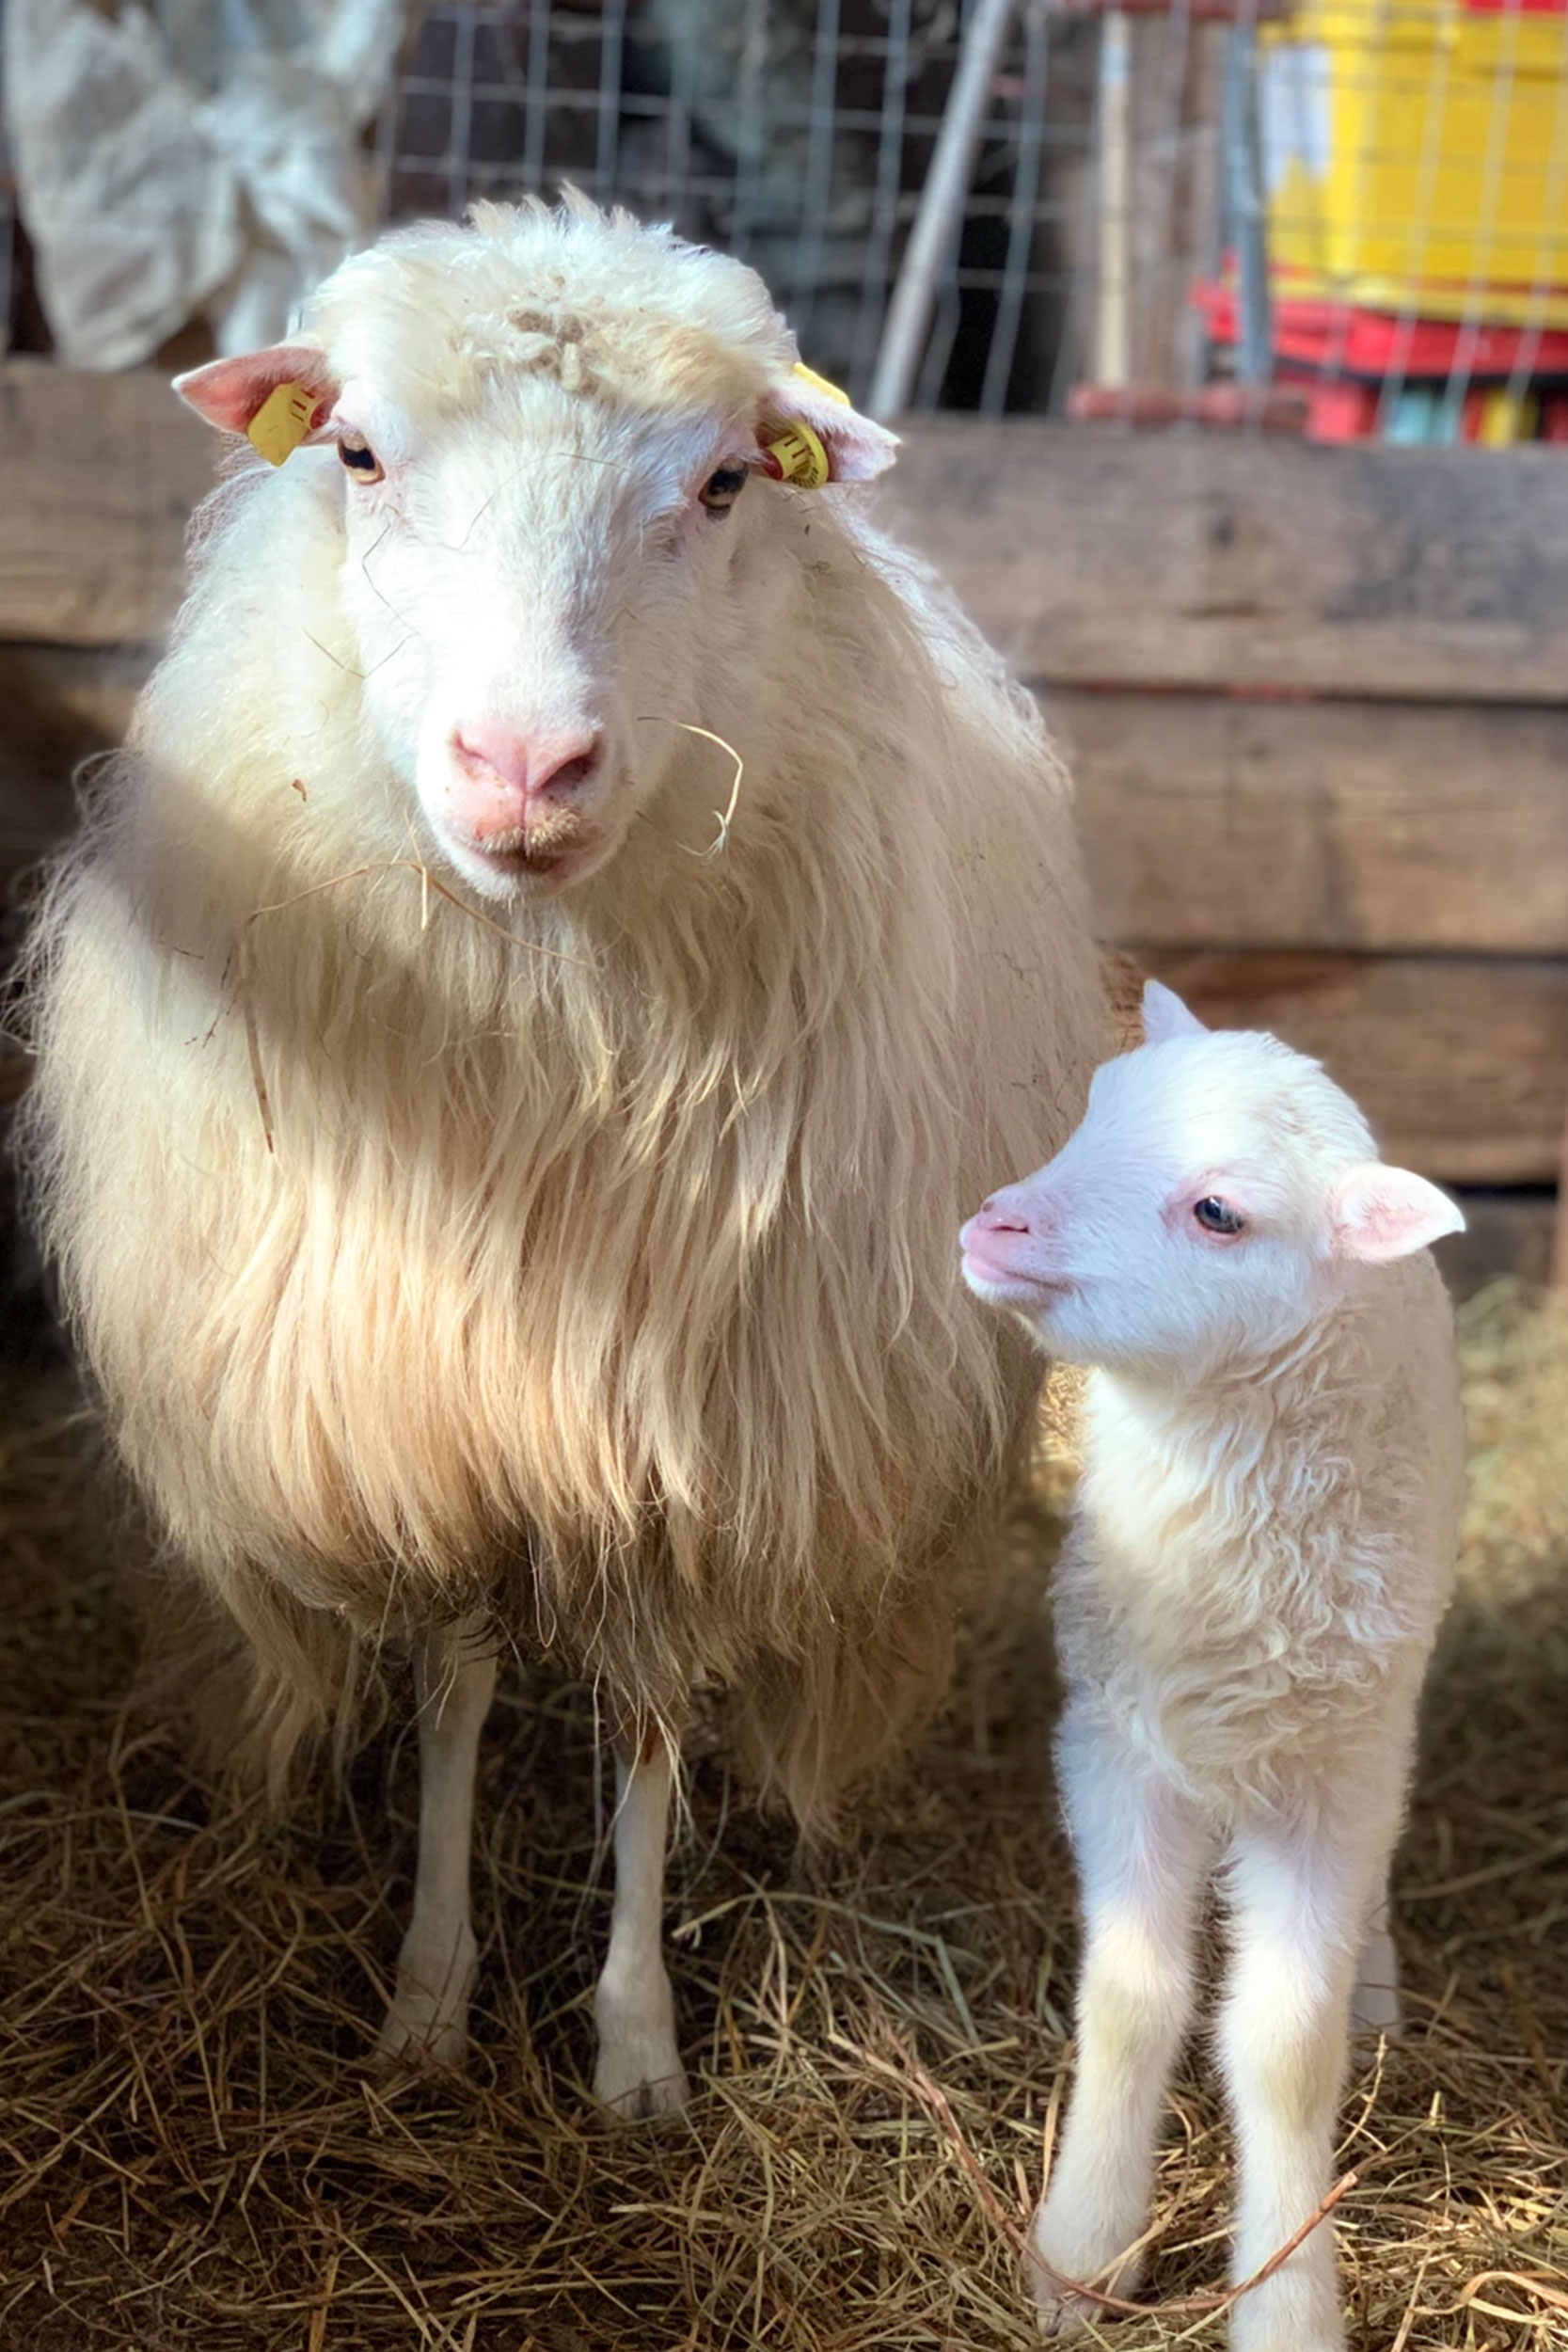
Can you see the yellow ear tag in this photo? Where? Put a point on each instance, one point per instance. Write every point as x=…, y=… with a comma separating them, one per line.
x=281, y=422
x=798, y=456
x=819, y=382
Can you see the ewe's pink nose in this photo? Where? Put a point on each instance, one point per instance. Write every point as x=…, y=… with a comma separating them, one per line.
x=514, y=779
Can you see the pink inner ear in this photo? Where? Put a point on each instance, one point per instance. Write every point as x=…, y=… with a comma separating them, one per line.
x=229, y=393
x=1382, y=1213
x=858, y=450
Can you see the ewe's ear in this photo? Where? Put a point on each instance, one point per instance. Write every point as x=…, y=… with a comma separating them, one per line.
x=853, y=448
x=1377, y=1212
x=276, y=397
x=1165, y=1016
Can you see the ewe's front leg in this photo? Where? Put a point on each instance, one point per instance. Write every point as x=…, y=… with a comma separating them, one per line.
x=638, y=2070
x=1141, y=1851
x=1300, y=1903
x=427, y=2024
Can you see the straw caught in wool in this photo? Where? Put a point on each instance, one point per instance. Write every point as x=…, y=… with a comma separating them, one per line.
x=724, y=816
x=428, y=882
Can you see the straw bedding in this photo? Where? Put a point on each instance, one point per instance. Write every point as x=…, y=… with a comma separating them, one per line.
x=194, y=2158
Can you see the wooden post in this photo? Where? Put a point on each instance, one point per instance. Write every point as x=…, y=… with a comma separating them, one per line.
x=1558, y=1277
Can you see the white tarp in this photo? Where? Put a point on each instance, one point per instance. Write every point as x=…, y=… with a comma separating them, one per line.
x=185, y=158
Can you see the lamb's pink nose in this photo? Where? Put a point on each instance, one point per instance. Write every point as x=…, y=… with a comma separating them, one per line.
x=1006, y=1213
x=512, y=779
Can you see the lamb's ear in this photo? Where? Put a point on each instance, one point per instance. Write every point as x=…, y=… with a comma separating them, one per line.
x=1165, y=1016
x=1377, y=1212
x=848, y=447
x=276, y=398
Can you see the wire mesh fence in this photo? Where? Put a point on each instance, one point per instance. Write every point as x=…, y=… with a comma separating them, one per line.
x=796, y=134
x=1363, y=206
x=1348, y=217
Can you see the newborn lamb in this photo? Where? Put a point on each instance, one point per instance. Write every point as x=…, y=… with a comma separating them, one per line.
x=1262, y=1549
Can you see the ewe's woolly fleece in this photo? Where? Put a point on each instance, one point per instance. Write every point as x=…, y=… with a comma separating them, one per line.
x=601, y=1275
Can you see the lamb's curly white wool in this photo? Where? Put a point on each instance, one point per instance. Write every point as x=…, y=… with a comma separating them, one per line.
x=499, y=1199
x=1261, y=1551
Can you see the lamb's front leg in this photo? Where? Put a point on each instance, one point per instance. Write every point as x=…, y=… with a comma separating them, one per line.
x=1300, y=1901
x=455, y=1679
x=1142, y=1851
x=638, y=2070
x=1376, y=2007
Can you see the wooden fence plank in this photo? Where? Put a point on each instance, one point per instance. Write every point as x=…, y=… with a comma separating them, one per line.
x=1101, y=556
x=97, y=477
x=1460, y=1063
x=1401, y=827
x=1091, y=556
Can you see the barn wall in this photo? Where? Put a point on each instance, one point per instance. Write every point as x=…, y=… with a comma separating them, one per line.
x=1317, y=703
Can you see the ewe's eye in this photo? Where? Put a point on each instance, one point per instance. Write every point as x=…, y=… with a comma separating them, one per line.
x=720, y=490
x=1218, y=1216
x=358, y=456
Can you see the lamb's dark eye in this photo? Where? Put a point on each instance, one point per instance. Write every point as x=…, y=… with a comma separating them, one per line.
x=1218, y=1216
x=358, y=456
x=720, y=490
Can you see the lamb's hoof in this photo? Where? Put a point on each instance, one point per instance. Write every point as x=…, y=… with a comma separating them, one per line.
x=1377, y=2014
x=1375, y=2008
x=1052, y=2260
x=1060, y=2314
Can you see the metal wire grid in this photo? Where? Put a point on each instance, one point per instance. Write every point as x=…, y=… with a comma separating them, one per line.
x=7, y=242
x=797, y=136
x=1508, y=127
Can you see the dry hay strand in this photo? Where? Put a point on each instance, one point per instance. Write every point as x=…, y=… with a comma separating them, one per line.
x=196, y=2158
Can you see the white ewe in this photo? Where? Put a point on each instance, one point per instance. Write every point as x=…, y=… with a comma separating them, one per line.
x=500, y=1201
x=1262, y=1548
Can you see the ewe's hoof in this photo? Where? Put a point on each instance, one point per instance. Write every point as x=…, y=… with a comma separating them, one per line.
x=638, y=2084
x=639, y=2072
x=426, y=2030
x=422, y=2035
x=638, y=2080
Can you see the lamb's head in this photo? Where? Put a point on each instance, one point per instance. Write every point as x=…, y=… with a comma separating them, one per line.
x=535, y=437
x=1221, y=1194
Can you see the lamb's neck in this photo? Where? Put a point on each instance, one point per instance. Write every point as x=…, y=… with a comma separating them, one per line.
x=1244, y=1391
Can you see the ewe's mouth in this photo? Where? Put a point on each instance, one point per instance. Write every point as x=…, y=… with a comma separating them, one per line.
x=525, y=860
x=552, y=852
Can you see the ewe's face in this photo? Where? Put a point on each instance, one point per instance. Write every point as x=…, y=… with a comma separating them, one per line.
x=541, y=588
x=555, y=592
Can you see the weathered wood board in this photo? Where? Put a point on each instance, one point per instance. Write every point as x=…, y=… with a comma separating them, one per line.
x=1460, y=1062
x=98, y=478
x=1382, y=875
x=1196, y=559
x=1405, y=828
x=1089, y=557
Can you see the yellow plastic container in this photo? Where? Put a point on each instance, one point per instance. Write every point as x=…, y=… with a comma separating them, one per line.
x=1417, y=157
